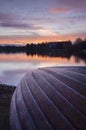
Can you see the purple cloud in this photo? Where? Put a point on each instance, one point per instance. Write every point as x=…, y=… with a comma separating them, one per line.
x=11, y=21
x=19, y=25
x=4, y=16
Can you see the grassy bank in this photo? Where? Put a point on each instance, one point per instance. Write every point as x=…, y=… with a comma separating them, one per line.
x=6, y=93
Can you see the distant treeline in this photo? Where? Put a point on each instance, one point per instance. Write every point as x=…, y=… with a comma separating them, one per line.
x=63, y=49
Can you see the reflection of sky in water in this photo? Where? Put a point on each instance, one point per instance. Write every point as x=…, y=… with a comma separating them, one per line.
x=11, y=73
x=14, y=67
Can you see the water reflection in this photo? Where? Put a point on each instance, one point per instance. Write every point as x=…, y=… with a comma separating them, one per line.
x=14, y=66
x=59, y=57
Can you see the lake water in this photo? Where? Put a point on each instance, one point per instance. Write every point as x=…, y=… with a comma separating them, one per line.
x=14, y=66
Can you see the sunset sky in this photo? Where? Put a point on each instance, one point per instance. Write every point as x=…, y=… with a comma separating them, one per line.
x=23, y=21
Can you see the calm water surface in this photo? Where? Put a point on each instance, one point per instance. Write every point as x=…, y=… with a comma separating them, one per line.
x=14, y=66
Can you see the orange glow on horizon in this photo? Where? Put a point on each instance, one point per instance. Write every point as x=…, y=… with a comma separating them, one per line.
x=38, y=39
x=35, y=40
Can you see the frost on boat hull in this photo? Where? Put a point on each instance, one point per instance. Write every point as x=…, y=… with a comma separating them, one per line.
x=50, y=99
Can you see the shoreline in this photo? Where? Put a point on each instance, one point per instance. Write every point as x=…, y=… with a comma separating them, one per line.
x=6, y=92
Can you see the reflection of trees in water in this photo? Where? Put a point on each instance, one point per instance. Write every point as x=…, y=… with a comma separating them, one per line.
x=51, y=49
x=77, y=59
x=58, y=53
x=80, y=56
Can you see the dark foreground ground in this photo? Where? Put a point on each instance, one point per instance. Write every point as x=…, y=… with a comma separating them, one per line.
x=6, y=93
